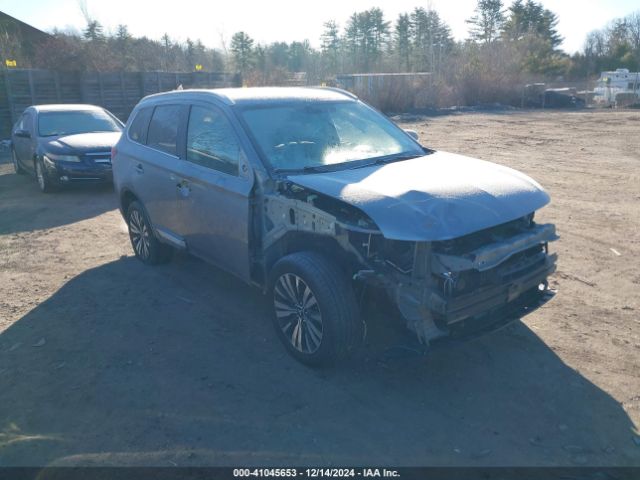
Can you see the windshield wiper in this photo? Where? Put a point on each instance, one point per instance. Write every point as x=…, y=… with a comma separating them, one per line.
x=321, y=168
x=396, y=158
x=308, y=168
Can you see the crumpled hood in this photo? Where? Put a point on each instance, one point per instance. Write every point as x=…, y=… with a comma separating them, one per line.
x=86, y=141
x=436, y=197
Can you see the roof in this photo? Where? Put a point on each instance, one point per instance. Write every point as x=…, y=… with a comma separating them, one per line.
x=69, y=107
x=264, y=95
x=26, y=30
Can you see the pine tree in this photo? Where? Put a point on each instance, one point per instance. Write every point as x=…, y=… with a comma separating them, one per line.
x=331, y=45
x=486, y=23
x=242, y=51
x=402, y=41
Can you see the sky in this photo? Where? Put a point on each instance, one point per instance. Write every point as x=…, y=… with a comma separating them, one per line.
x=214, y=22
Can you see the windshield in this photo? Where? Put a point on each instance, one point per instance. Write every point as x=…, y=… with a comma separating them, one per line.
x=299, y=136
x=68, y=123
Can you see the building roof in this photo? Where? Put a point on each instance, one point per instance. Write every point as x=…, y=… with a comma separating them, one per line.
x=13, y=25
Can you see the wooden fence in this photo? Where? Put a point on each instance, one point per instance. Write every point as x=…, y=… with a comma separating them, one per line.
x=117, y=92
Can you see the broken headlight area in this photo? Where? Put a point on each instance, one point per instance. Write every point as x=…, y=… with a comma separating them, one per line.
x=441, y=287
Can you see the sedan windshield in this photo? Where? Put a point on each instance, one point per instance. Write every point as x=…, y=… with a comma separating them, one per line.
x=300, y=136
x=72, y=122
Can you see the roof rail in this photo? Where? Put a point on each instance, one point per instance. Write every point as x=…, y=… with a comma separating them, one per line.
x=339, y=90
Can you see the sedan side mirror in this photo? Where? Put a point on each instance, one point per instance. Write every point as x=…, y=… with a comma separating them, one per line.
x=413, y=134
x=22, y=133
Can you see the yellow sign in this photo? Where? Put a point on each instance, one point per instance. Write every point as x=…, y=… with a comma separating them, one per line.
x=198, y=67
x=11, y=63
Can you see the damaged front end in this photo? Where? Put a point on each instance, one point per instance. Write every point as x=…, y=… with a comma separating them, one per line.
x=471, y=283
x=442, y=288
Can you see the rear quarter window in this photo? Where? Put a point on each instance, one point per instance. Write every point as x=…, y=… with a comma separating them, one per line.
x=140, y=125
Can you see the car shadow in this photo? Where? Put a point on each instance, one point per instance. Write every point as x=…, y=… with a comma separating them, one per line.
x=25, y=208
x=179, y=365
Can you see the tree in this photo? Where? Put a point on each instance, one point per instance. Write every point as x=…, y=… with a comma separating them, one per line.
x=168, y=56
x=486, y=23
x=122, y=44
x=532, y=19
x=299, y=53
x=331, y=45
x=531, y=30
x=242, y=51
x=94, y=31
x=431, y=39
x=402, y=41
x=365, y=36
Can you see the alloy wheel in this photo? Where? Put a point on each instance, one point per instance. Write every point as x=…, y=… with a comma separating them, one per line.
x=139, y=234
x=40, y=175
x=298, y=313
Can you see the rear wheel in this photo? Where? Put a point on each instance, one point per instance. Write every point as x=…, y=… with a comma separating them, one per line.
x=16, y=164
x=145, y=245
x=315, y=311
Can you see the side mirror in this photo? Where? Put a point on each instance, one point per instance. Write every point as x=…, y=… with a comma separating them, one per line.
x=413, y=134
x=22, y=133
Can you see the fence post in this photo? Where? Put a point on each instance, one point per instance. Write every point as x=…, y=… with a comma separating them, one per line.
x=101, y=87
x=32, y=92
x=141, y=83
x=56, y=82
x=7, y=82
x=125, y=103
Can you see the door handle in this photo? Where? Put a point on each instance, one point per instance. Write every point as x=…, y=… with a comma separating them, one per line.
x=139, y=168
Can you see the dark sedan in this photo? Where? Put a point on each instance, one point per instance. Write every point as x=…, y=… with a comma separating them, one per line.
x=65, y=144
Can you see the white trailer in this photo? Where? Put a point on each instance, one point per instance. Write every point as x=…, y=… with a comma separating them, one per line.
x=612, y=84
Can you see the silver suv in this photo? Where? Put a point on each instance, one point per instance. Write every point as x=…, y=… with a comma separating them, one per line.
x=310, y=194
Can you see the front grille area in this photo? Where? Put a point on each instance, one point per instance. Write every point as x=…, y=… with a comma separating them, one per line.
x=519, y=265
x=473, y=241
x=98, y=157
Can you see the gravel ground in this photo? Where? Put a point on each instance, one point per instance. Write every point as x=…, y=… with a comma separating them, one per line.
x=104, y=361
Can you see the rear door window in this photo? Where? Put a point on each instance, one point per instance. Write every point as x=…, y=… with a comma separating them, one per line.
x=163, y=129
x=140, y=125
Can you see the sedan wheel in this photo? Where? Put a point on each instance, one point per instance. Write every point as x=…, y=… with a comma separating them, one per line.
x=43, y=182
x=298, y=313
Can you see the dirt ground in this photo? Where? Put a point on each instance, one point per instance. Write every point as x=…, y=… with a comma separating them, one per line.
x=104, y=361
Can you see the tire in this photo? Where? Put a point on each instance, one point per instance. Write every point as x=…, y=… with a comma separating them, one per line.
x=16, y=164
x=147, y=248
x=44, y=183
x=315, y=313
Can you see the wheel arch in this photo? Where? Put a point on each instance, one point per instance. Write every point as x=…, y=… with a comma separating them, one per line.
x=126, y=198
x=295, y=241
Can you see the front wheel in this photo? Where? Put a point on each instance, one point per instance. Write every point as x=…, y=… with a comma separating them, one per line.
x=315, y=311
x=145, y=245
x=16, y=163
x=44, y=183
